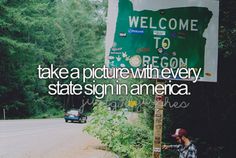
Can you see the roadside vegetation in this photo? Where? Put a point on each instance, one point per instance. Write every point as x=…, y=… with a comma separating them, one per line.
x=50, y=113
x=122, y=137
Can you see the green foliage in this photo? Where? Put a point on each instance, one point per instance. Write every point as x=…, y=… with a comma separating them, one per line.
x=50, y=113
x=80, y=40
x=43, y=32
x=123, y=138
x=227, y=30
x=78, y=25
x=26, y=39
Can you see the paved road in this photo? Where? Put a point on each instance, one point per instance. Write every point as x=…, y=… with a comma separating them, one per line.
x=47, y=138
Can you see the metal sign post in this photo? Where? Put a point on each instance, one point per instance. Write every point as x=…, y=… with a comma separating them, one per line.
x=4, y=113
x=158, y=123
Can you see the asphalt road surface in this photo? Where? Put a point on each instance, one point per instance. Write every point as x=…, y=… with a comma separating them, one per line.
x=48, y=138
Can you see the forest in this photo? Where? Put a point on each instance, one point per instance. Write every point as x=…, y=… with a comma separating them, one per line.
x=71, y=33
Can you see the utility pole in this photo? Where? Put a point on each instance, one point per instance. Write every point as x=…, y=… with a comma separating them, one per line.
x=158, y=123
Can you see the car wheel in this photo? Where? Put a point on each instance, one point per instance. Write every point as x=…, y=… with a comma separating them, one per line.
x=85, y=119
x=66, y=120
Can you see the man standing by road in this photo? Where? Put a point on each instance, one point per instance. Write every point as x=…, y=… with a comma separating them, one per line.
x=185, y=148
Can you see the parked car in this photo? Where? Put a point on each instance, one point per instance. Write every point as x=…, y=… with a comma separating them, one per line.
x=75, y=115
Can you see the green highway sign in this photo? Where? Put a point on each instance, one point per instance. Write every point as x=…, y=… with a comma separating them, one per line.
x=163, y=33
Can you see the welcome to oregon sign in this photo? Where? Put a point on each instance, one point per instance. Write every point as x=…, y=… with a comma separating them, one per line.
x=163, y=33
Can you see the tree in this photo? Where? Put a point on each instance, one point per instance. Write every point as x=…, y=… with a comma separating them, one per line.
x=26, y=36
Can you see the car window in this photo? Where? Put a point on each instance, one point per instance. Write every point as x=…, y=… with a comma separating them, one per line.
x=73, y=112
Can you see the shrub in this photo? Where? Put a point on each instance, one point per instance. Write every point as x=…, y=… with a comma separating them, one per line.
x=126, y=139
